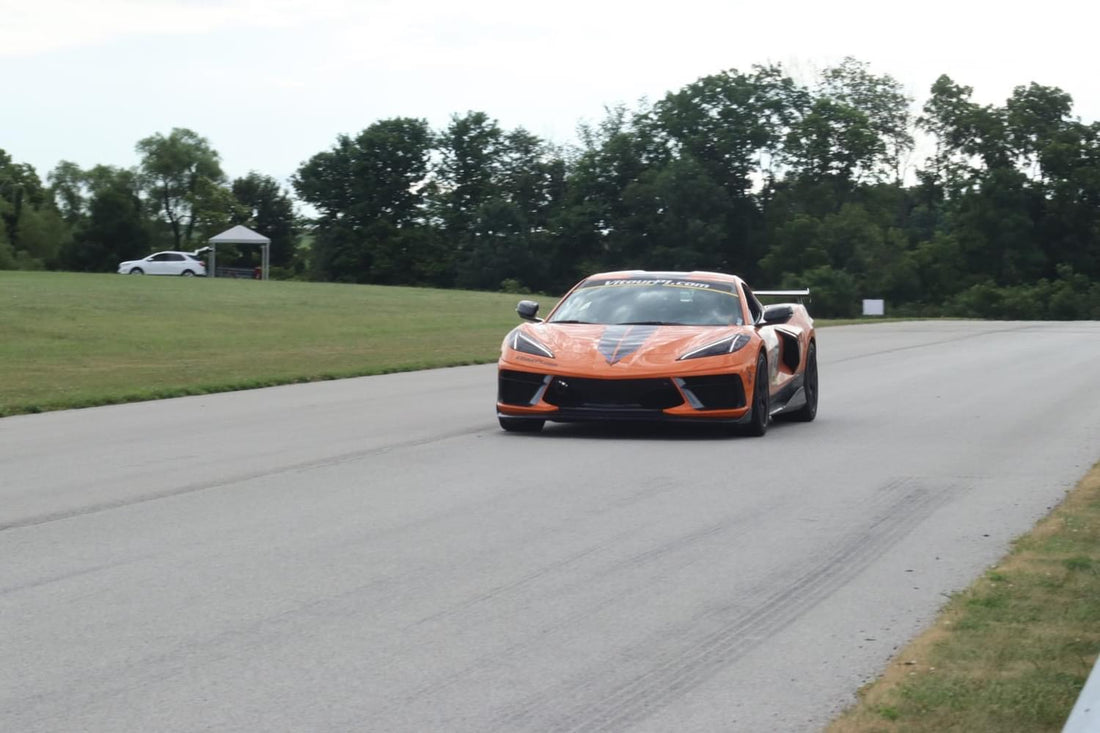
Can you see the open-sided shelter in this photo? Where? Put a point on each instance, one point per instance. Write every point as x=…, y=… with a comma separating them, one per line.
x=241, y=235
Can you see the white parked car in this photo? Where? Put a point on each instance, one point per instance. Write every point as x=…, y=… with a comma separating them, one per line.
x=165, y=263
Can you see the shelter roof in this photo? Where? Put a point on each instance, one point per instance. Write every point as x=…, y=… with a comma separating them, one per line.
x=239, y=235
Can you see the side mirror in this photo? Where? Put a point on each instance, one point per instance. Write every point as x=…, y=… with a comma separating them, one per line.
x=779, y=313
x=527, y=310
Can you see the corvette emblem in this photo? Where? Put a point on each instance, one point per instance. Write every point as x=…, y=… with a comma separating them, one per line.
x=619, y=342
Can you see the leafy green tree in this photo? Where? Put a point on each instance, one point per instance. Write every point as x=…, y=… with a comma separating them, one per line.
x=676, y=215
x=597, y=227
x=42, y=235
x=34, y=231
x=468, y=174
x=215, y=209
x=494, y=196
x=995, y=229
x=369, y=191
x=1069, y=206
x=7, y=250
x=112, y=223
x=882, y=100
x=834, y=293
x=834, y=141
x=1069, y=296
x=325, y=180
x=532, y=176
x=734, y=126
x=732, y=122
x=856, y=128
x=20, y=188
x=466, y=198
x=533, y=182
x=1059, y=157
x=966, y=134
x=1038, y=129
x=1003, y=171
x=270, y=212
x=67, y=181
x=179, y=172
x=796, y=246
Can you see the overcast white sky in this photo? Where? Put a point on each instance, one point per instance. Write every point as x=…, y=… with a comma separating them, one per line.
x=272, y=82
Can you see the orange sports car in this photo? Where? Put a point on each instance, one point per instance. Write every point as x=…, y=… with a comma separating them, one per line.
x=681, y=346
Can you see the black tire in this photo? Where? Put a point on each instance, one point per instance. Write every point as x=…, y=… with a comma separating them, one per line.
x=136, y=271
x=520, y=424
x=760, y=416
x=187, y=273
x=808, y=412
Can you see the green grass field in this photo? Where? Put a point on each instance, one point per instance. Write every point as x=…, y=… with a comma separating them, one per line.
x=76, y=340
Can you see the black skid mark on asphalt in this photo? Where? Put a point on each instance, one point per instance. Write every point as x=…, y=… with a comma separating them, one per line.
x=568, y=621
x=228, y=481
x=690, y=655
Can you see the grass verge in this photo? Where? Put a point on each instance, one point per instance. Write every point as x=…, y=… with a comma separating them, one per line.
x=78, y=340
x=1011, y=652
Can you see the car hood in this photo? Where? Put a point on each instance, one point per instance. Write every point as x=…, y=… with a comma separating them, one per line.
x=604, y=349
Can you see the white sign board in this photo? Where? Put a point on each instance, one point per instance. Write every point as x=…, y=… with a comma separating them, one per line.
x=874, y=307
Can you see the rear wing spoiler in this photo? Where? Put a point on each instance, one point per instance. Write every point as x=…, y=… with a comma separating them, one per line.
x=792, y=293
x=800, y=294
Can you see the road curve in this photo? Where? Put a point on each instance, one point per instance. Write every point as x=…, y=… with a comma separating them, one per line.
x=375, y=554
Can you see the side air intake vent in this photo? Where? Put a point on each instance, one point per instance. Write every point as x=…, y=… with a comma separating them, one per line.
x=518, y=388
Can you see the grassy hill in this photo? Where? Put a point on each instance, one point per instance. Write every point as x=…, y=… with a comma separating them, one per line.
x=75, y=340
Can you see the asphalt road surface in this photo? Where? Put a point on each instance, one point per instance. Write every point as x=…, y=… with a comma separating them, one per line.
x=376, y=555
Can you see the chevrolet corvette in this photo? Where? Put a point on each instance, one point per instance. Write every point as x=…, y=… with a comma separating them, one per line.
x=660, y=346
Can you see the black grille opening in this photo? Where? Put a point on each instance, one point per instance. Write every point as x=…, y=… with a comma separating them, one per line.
x=518, y=388
x=717, y=392
x=649, y=394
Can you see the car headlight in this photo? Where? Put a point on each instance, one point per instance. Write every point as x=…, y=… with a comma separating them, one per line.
x=520, y=341
x=727, y=345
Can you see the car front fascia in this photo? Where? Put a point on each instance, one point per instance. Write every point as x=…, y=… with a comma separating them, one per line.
x=741, y=363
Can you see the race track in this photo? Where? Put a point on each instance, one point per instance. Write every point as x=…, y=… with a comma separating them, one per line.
x=376, y=555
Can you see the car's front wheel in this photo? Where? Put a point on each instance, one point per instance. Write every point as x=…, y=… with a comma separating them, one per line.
x=520, y=424
x=761, y=401
x=136, y=271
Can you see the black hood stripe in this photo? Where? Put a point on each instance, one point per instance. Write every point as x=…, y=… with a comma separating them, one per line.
x=619, y=342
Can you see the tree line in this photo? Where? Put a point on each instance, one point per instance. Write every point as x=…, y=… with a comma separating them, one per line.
x=177, y=198
x=819, y=185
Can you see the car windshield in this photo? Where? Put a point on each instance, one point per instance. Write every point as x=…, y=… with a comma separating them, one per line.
x=651, y=301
